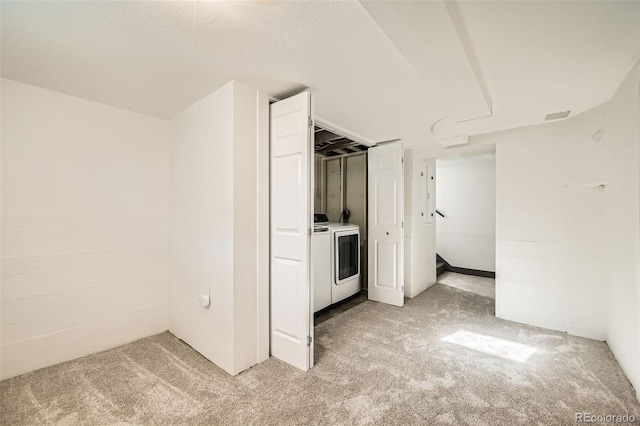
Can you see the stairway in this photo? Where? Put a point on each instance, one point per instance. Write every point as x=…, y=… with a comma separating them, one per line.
x=441, y=265
x=444, y=266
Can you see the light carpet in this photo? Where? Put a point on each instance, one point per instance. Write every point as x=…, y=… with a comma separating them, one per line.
x=479, y=285
x=442, y=359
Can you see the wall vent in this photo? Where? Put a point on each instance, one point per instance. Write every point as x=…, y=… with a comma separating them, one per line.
x=557, y=115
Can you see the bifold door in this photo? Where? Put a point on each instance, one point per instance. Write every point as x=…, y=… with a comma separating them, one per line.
x=291, y=152
x=386, y=216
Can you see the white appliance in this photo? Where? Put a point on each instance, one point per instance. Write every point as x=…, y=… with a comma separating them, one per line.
x=335, y=253
x=345, y=260
x=321, y=265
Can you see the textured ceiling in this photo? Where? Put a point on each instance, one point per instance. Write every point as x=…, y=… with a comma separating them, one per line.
x=540, y=57
x=381, y=70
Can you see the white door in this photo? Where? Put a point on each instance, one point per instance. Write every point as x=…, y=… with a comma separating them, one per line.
x=386, y=215
x=291, y=221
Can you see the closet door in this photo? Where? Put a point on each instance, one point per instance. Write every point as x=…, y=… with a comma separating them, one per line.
x=386, y=215
x=291, y=137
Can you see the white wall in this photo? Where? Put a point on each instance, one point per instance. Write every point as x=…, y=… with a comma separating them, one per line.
x=84, y=227
x=356, y=192
x=245, y=226
x=550, y=266
x=200, y=231
x=263, y=227
x=622, y=227
x=466, y=236
x=568, y=248
x=420, y=230
x=317, y=183
x=333, y=189
x=356, y=201
x=214, y=225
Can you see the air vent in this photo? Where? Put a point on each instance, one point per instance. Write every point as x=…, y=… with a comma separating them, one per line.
x=557, y=115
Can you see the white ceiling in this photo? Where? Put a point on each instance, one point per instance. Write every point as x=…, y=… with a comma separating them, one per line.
x=382, y=70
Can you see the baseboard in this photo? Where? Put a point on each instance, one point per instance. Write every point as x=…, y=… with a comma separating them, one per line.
x=476, y=272
x=466, y=271
x=574, y=331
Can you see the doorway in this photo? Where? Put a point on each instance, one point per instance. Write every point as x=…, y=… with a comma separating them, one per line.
x=340, y=186
x=466, y=214
x=292, y=203
x=339, y=240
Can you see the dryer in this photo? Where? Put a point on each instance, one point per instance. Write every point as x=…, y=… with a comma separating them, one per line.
x=345, y=260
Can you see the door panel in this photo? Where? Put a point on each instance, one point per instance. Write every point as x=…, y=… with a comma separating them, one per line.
x=387, y=161
x=291, y=220
x=386, y=233
x=386, y=261
x=386, y=210
x=286, y=201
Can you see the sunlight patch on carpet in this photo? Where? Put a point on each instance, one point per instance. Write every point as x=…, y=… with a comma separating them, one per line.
x=502, y=348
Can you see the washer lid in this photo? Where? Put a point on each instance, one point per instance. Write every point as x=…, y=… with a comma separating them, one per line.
x=343, y=227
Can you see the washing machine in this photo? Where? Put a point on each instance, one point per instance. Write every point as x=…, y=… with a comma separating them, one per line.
x=335, y=254
x=345, y=260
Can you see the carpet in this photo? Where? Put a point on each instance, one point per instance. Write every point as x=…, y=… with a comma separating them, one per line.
x=444, y=359
x=479, y=285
